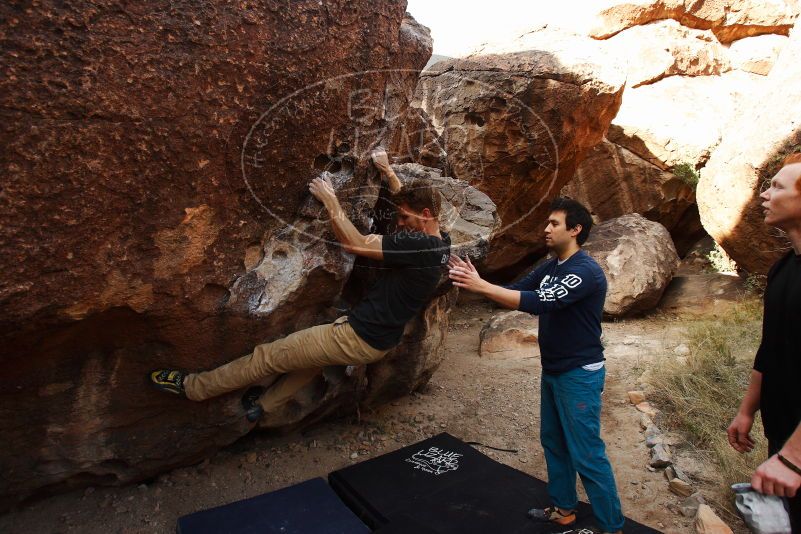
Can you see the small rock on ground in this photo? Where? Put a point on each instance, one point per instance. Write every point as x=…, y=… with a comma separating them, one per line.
x=708, y=522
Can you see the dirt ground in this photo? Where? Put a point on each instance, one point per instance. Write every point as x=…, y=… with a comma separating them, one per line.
x=494, y=402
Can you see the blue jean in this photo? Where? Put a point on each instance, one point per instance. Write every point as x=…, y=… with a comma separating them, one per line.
x=570, y=432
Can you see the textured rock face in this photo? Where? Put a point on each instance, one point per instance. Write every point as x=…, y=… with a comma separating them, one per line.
x=756, y=54
x=701, y=109
x=639, y=260
x=510, y=336
x=154, y=211
x=728, y=193
x=729, y=20
x=613, y=181
x=697, y=290
x=516, y=125
x=666, y=48
x=419, y=142
x=673, y=53
x=704, y=295
x=412, y=137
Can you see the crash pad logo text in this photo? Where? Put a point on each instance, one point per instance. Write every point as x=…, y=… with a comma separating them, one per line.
x=435, y=461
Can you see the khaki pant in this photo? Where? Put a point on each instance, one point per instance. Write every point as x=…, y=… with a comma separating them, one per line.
x=300, y=357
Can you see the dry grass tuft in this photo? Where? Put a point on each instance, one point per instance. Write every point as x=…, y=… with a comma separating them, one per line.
x=701, y=396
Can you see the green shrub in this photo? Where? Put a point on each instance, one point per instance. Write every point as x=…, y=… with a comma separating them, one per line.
x=769, y=170
x=720, y=261
x=755, y=283
x=687, y=174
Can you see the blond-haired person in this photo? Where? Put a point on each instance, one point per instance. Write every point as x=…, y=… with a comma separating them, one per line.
x=776, y=376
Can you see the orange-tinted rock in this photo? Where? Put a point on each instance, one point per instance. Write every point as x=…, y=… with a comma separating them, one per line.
x=729, y=20
x=517, y=124
x=412, y=137
x=510, y=335
x=613, y=181
x=708, y=522
x=685, y=132
x=666, y=48
x=154, y=210
x=747, y=157
x=756, y=54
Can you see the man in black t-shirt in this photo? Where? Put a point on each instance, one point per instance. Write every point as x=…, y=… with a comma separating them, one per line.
x=776, y=375
x=411, y=264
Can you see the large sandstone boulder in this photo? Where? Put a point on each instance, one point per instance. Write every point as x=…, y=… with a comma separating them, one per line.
x=516, y=125
x=729, y=20
x=155, y=211
x=666, y=48
x=748, y=156
x=412, y=137
x=686, y=131
x=510, y=335
x=639, y=260
x=613, y=181
x=756, y=54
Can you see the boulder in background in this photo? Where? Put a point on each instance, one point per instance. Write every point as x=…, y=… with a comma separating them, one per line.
x=515, y=125
x=639, y=260
x=510, y=335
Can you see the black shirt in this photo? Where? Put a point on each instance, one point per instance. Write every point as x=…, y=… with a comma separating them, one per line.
x=779, y=354
x=408, y=276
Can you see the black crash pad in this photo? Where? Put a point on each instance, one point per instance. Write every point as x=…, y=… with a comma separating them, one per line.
x=310, y=507
x=446, y=487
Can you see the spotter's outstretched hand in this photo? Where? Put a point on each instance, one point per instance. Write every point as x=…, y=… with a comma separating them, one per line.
x=456, y=261
x=464, y=274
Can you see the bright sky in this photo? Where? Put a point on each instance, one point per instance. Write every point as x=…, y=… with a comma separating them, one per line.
x=458, y=26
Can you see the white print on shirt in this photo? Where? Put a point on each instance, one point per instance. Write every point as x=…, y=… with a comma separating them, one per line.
x=552, y=288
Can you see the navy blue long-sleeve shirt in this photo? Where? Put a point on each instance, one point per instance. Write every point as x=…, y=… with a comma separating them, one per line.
x=569, y=298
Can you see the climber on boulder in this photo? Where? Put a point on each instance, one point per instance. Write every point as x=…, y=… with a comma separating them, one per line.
x=411, y=262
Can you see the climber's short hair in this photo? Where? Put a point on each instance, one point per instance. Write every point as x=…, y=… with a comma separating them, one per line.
x=418, y=195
